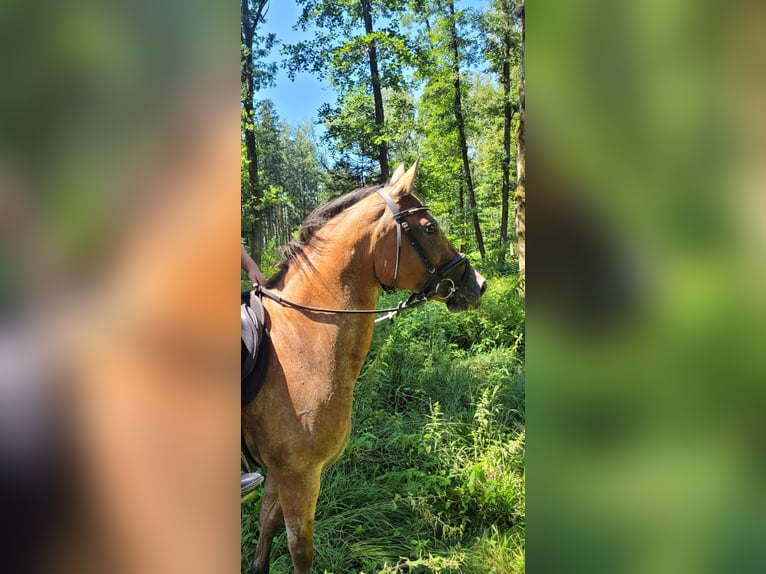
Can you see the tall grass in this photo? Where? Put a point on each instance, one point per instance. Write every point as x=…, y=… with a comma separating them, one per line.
x=432, y=479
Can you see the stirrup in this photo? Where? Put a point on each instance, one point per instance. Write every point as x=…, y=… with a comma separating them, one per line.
x=248, y=483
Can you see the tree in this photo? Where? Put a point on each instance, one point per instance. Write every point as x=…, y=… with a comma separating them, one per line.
x=460, y=122
x=501, y=49
x=377, y=95
x=520, y=197
x=253, y=74
x=268, y=130
x=302, y=174
x=289, y=174
x=441, y=50
x=339, y=179
x=360, y=61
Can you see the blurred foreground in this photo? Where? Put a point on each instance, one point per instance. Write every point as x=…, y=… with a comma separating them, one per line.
x=646, y=309
x=119, y=214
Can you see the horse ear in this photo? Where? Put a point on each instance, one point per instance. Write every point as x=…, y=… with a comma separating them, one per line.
x=403, y=184
x=398, y=172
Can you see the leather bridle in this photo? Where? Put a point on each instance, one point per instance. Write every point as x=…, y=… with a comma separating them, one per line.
x=437, y=277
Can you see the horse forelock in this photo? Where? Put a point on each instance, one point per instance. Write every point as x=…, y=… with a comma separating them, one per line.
x=314, y=222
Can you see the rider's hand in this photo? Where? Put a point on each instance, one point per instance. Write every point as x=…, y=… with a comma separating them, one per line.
x=256, y=277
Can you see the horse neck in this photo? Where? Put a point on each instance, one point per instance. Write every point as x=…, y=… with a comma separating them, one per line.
x=335, y=270
x=335, y=274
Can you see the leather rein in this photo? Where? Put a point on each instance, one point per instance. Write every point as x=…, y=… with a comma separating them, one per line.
x=437, y=276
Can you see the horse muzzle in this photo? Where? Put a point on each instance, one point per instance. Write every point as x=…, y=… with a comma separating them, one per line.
x=468, y=291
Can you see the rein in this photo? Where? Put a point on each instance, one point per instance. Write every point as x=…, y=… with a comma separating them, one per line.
x=391, y=312
x=429, y=290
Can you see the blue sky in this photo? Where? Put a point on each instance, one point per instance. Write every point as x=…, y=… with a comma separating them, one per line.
x=296, y=101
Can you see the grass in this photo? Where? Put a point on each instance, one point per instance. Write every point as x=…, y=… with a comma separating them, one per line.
x=432, y=479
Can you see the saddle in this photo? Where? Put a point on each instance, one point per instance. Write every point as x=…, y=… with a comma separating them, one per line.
x=253, y=334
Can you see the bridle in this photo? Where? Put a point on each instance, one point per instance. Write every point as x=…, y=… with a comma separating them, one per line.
x=430, y=290
x=436, y=276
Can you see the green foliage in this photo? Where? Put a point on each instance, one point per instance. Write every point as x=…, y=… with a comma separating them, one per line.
x=340, y=179
x=500, y=28
x=290, y=178
x=351, y=123
x=432, y=479
x=339, y=48
x=253, y=53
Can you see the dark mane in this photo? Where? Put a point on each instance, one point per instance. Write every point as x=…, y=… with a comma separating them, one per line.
x=313, y=223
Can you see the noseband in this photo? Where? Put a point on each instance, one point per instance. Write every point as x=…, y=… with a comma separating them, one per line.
x=436, y=276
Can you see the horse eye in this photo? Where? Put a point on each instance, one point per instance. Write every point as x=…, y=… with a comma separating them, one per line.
x=430, y=228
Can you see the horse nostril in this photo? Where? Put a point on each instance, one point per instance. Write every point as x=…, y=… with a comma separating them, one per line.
x=483, y=286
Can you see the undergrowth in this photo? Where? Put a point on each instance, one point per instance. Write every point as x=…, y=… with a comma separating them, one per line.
x=432, y=479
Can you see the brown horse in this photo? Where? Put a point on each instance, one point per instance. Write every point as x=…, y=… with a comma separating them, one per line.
x=300, y=421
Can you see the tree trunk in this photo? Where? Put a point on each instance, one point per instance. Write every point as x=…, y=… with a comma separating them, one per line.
x=520, y=197
x=250, y=16
x=462, y=215
x=376, y=92
x=459, y=120
x=507, y=116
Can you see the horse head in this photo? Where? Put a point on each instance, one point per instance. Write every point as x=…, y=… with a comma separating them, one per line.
x=412, y=252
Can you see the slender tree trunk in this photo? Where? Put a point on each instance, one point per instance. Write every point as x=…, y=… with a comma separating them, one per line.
x=376, y=92
x=462, y=218
x=250, y=16
x=459, y=119
x=507, y=116
x=520, y=197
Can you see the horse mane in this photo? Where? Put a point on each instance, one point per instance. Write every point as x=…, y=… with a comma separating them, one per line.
x=315, y=221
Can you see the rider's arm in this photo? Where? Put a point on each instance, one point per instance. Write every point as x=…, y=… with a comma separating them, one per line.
x=251, y=268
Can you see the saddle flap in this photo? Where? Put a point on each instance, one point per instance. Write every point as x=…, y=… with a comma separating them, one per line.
x=252, y=320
